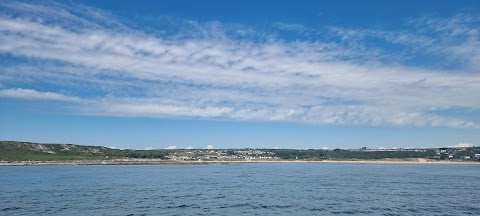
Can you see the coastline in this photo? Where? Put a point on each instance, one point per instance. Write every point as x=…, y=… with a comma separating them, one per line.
x=170, y=162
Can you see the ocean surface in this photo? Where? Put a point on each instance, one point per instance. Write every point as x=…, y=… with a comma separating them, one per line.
x=242, y=189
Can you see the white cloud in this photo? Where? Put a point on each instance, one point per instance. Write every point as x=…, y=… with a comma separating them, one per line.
x=30, y=94
x=189, y=147
x=115, y=70
x=462, y=145
x=171, y=147
x=210, y=147
x=142, y=109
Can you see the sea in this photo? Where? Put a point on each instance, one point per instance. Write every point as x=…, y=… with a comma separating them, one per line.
x=242, y=189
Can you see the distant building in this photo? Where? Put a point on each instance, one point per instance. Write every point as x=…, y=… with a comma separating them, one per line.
x=442, y=154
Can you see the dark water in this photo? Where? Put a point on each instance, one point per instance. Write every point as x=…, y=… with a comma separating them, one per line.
x=241, y=189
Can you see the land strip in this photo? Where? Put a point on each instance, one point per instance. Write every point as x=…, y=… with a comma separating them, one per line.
x=13, y=153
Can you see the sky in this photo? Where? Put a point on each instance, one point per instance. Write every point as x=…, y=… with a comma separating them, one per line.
x=237, y=74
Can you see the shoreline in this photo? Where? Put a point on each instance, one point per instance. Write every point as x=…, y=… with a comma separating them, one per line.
x=170, y=162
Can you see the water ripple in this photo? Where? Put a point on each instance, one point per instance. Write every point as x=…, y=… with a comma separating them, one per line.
x=246, y=189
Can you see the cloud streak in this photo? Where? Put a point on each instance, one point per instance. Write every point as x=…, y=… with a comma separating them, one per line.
x=108, y=68
x=29, y=94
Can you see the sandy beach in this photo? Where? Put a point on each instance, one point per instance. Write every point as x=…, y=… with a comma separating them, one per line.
x=171, y=162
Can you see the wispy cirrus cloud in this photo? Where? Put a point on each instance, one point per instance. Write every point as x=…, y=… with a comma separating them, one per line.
x=30, y=94
x=450, y=41
x=110, y=68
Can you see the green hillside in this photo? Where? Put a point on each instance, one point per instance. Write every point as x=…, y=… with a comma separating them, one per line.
x=19, y=151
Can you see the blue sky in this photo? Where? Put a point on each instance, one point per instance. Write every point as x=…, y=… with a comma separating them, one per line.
x=289, y=74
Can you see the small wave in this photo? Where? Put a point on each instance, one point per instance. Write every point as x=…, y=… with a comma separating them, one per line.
x=182, y=206
x=351, y=212
x=11, y=208
x=315, y=209
x=253, y=206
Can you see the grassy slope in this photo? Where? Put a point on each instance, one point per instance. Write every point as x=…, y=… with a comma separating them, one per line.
x=18, y=151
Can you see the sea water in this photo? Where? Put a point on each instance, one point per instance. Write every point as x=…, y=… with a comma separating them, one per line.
x=242, y=189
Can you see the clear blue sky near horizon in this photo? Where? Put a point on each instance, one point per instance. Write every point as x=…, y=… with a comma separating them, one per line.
x=235, y=74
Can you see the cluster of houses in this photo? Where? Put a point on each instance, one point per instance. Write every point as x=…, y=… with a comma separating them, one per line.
x=454, y=153
x=263, y=154
x=200, y=155
x=365, y=149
